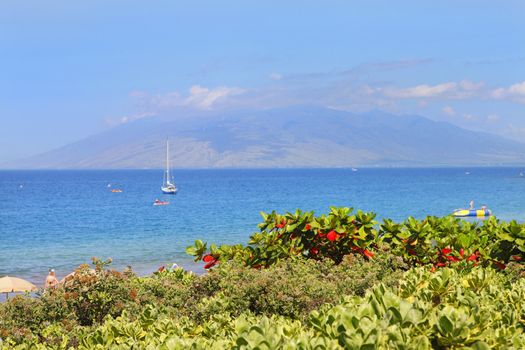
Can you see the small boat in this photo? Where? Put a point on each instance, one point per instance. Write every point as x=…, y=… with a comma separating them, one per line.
x=159, y=202
x=116, y=190
x=354, y=169
x=168, y=186
x=472, y=212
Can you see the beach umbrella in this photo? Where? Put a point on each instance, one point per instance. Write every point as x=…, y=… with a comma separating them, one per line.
x=14, y=284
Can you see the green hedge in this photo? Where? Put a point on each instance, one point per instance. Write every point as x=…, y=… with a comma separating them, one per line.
x=290, y=289
x=446, y=309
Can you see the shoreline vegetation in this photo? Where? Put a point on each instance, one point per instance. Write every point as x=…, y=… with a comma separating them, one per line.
x=341, y=280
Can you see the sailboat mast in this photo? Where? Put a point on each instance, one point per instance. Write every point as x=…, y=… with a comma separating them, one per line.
x=167, y=161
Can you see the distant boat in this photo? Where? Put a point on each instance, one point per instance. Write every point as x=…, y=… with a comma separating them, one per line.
x=116, y=190
x=168, y=186
x=467, y=172
x=354, y=169
x=159, y=202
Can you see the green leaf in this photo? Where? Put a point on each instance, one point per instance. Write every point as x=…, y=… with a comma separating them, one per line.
x=445, y=325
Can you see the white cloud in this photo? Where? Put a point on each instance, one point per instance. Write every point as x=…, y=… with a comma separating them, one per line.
x=129, y=118
x=518, y=89
x=198, y=97
x=451, y=90
x=419, y=91
x=515, y=92
x=449, y=111
x=276, y=76
x=468, y=85
x=204, y=98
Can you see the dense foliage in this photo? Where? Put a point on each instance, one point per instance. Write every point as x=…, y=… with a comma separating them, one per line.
x=436, y=241
x=445, y=309
x=340, y=280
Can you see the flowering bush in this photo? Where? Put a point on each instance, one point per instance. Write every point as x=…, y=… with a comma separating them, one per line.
x=432, y=241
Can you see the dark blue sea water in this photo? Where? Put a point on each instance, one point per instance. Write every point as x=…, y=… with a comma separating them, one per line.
x=61, y=219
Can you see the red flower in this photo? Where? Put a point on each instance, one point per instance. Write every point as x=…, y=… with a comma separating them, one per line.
x=210, y=264
x=433, y=269
x=441, y=264
x=321, y=234
x=461, y=252
x=282, y=224
x=208, y=258
x=307, y=227
x=453, y=258
x=314, y=251
x=332, y=236
x=446, y=251
x=472, y=257
x=499, y=265
x=516, y=257
x=368, y=254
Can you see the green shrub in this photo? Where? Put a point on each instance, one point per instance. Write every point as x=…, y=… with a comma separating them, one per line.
x=441, y=242
x=447, y=309
x=293, y=288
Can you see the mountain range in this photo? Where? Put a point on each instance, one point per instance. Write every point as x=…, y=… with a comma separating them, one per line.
x=299, y=136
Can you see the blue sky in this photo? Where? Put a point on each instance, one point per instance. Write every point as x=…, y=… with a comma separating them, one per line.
x=71, y=69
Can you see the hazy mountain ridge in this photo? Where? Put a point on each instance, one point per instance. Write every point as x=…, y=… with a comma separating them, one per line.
x=301, y=136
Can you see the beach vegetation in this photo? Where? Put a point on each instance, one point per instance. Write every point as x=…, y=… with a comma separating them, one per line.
x=340, y=280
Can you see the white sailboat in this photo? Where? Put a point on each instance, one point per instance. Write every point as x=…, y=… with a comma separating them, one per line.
x=168, y=186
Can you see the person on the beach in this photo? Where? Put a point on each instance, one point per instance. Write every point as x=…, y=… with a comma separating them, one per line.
x=471, y=205
x=51, y=280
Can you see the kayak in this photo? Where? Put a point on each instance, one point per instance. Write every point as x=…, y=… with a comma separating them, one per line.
x=472, y=212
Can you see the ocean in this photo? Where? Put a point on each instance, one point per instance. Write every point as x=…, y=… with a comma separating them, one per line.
x=60, y=219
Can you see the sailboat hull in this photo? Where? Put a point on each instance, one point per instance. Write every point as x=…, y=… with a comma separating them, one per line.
x=169, y=190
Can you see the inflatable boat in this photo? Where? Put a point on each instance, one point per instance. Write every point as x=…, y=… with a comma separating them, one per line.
x=472, y=212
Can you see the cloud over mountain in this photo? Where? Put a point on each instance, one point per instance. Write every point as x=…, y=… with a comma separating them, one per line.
x=299, y=136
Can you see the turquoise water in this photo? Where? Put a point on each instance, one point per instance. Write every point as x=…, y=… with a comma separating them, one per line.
x=61, y=219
